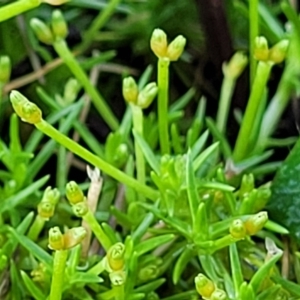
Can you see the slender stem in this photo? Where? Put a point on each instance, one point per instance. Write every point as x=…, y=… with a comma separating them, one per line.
x=49, y=130
x=227, y=89
x=119, y=292
x=97, y=230
x=163, y=88
x=98, y=268
x=13, y=9
x=262, y=74
x=61, y=170
x=137, y=116
x=36, y=227
x=253, y=33
x=59, y=265
x=64, y=52
x=98, y=23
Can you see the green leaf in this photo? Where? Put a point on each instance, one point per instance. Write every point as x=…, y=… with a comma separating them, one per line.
x=290, y=286
x=151, y=286
x=284, y=204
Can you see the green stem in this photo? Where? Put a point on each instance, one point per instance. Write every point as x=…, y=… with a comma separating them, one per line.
x=223, y=242
x=98, y=23
x=49, y=130
x=137, y=117
x=97, y=230
x=163, y=88
x=98, y=268
x=227, y=90
x=59, y=265
x=13, y=9
x=119, y=292
x=242, y=144
x=253, y=33
x=104, y=110
x=36, y=228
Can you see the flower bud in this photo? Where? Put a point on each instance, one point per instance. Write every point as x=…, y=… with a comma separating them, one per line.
x=158, y=43
x=247, y=185
x=74, y=236
x=117, y=277
x=26, y=110
x=218, y=295
x=5, y=68
x=256, y=222
x=278, y=52
x=73, y=193
x=59, y=25
x=130, y=90
x=46, y=210
x=261, y=49
x=204, y=286
x=42, y=31
x=237, y=229
x=80, y=209
x=72, y=88
x=56, y=239
x=148, y=273
x=55, y=2
x=39, y=273
x=51, y=195
x=147, y=95
x=115, y=256
x=176, y=48
x=236, y=65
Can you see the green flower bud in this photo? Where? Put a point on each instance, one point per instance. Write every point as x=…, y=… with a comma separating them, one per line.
x=158, y=43
x=55, y=2
x=121, y=155
x=278, y=52
x=204, y=286
x=5, y=68
x=149, y=272
x=236, y=65
x=42, y=31
x=59, y=25
x=247, y=185
x=261, y=49
x=80, y=209
x=73, y=193
x=39, y=273
x=74, y=236
x=218, y=295
x=115, y=257
x=130, y=90
x=26, y=110
x=176, y=48
x=56, y=239
x=117, y=278
x=256, y=222
x=46, y=210
x=51, y=195
x=237, y=229
x=72, y=88
x=147, y=95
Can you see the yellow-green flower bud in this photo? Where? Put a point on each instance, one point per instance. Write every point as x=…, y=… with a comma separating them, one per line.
x=204, y=286
x=55, y=2
x=26, y=110
x=218, y=295
x=236, y=65
x=5, y=68
x=71, y=90
x=115, y=257
x=176, y=48
x=158, y=43
x=46, y=210
x=278, y=52
x=74, y=236
x=130, y=90
x=51, y=195
x=59, y=25
x=237, y=229
x=261, y=49
x=42, y=31
x=80, y=209
x=117, y=277
x=149, y=272
x=56, y=239
x=147, y=95
x=74, y=193
x=39, y=273
x=256, y=222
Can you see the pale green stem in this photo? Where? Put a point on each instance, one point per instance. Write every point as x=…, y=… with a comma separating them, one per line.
x=137, y=117
x=104, y=110
x=36, y=228
x=58, y=275
x=13, y=9
x=94, y=160
x=227, y=90
x=242, y=144
x=163, y=89
x=119, y=292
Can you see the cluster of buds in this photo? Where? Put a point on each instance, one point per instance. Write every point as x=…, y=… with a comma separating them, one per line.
x=47, y=205
x=162, y=49
x=73, y=237
x=141, y=98
x=115, y=264
x=207, y=289
x=47, y=35
x=234, y=68
x=240, y=229
x=276, y=54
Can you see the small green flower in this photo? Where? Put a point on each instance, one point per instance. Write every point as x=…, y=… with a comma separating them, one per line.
x=218, y=295
x=73, y=193
x=261, y=49
x=147, y=95
x=236, y=65
x=42, y=31
x=115, y=257
x=278, y=52
x=176, y=48
x=158, y=43
x=204, y=286
x=80, y=209
x=130, y=90
x=74, y=237
x=56, y=239
x=256, y=222
x=237, y=229
x=59, y=25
